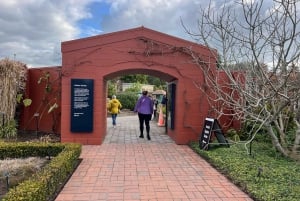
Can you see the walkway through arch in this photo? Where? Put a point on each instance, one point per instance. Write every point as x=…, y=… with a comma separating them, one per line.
x=127, y=132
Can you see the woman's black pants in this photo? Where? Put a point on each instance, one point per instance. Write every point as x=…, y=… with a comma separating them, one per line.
x=144, y=118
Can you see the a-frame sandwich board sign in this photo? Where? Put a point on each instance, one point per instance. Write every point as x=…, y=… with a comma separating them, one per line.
x=211, y=126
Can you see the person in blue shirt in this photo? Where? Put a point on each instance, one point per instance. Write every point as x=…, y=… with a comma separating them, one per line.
x=144, y=108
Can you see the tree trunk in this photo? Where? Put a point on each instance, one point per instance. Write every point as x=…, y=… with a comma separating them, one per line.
x=276, y=142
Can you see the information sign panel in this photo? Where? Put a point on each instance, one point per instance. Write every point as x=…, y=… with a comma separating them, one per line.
x=82, y=97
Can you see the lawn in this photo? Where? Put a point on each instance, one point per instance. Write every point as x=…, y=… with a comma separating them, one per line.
x=264, y=174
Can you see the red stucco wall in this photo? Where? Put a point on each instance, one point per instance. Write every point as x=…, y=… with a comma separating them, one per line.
x=107, y=56
x=135, y=51
x=42, y=100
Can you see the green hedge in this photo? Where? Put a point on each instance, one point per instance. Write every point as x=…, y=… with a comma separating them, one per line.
x=21, y=149
x=128, y=100
x=46, y=183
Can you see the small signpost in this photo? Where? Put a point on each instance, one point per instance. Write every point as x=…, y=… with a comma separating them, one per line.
x=211, y=126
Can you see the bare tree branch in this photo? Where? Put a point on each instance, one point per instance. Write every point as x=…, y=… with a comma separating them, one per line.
x=257, y=80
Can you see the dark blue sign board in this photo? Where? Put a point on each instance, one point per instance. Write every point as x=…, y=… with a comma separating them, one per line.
x=171, y=105
x=82, y=103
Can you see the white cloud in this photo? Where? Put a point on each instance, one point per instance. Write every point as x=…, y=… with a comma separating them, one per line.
x=161, y=15
x=32, y=30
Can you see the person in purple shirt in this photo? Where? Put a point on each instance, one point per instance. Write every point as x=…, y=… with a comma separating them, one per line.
x=144, y=108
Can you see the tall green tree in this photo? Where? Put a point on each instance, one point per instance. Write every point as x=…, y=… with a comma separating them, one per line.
x=135, y=88
x=134, y=78
x=112, y=87
x=157, y=82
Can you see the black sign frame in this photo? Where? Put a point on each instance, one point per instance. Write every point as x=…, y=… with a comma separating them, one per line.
x=82, y=105
x=211, y=126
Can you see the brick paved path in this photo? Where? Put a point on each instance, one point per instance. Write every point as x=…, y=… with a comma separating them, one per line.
x=126, y=167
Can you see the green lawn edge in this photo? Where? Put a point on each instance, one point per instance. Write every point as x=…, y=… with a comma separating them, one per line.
x=264, y=174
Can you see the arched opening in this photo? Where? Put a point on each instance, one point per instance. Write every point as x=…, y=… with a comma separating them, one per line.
x=170, y=86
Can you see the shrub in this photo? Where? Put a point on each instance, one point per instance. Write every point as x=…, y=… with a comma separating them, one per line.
x=264, y=175
x=9, y=130
x=44, y=184
x=248, y=130
x=233, y=135
x=22, y=149
x=128, y=100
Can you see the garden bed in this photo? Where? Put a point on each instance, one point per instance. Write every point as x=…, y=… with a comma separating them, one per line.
x=15, y=171
x=41, y=183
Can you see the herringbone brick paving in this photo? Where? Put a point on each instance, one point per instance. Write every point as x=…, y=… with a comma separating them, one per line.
x=126, y=167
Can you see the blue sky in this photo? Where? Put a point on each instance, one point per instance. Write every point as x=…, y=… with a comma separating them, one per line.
x=92, y=25
x=32, y=30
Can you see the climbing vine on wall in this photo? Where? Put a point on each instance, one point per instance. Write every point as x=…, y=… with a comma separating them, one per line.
x=49, y=100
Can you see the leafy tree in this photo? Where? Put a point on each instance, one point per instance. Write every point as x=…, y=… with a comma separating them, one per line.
x=157, y=82
x=134, y=78
x=144, y=79
x=135, y=88
x=112, y=87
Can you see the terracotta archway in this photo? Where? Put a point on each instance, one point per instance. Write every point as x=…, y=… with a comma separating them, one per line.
x=143, y=51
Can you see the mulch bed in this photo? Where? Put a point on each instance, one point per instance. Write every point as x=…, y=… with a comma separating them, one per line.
x=33, y=136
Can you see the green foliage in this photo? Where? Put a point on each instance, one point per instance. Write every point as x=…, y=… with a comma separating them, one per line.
x=128, y=100
x=248, y=130
x=22, y=150
x=135, y=88
x=157, y=82
x=44, y=184
x=144, y=79
x=27, y=102
x=233, y=135
x=264, y=174
x=287, y=118
x=112, y=88
x=164, y=109
x=9, y=130
x=135, y=78
x=46, y=79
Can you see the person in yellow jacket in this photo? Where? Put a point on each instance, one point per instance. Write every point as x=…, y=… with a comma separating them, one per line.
x=114, y=107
